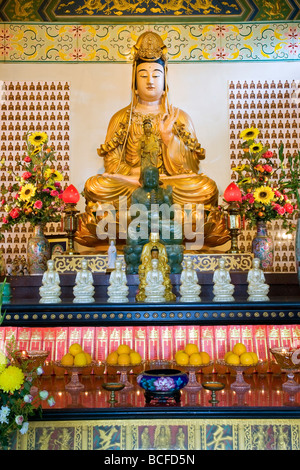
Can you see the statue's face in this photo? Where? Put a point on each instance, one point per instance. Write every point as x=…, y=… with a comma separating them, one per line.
x=150, y=81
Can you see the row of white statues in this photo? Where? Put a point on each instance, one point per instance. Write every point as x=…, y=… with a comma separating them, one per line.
x=189, y=290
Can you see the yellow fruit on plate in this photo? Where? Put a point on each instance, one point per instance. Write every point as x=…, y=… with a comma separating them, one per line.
x=239, y=349
x=191, y=349
x=112, y=358
x=195, y=359
x=124, y=359
x=80, y=360
x=67, y=360
x=254, y=357
x=246, y=359
x=123, y=349
x=88, y=358
x=227, y=355
x=135, y=358
x=178, y=352
x=75, y=349
x=205, y=357
x=182, y=358
x=233, y=359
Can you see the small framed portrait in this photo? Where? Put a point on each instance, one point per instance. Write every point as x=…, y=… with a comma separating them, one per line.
x=58, y=244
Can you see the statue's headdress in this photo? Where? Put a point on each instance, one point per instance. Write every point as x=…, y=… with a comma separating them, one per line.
x=149, y=48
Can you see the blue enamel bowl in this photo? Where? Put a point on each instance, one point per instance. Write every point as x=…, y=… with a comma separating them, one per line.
x=162, y=380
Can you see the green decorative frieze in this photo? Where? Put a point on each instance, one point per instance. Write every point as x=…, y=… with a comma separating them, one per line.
x=192, y=43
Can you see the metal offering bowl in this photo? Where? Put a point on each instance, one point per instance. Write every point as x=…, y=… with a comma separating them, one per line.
x=213, y=386
x=113, y=386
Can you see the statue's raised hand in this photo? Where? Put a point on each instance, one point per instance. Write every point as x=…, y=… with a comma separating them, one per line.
x=167, y=124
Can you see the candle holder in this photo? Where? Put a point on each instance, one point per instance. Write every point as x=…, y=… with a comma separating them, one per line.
x=234, y=225
x=71, y=226
x=70, y=197
x=233, y=196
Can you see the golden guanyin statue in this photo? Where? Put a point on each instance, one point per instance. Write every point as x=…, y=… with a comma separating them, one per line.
x=149, y=127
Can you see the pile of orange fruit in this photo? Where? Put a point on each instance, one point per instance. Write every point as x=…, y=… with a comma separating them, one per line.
x=240, y=356
x=124, y=356
x=191, y=355
x=76, y=357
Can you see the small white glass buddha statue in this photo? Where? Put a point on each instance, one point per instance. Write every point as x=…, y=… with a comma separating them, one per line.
x=118, y=290
x=223, y=289
x=257, y=288
x=50, y=289
x=154, y=289
x=189, y=288
x=84, y=289
x=111, y=255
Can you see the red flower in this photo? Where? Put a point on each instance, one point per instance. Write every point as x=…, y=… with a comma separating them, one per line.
x=38, y=204
x=27, y=159
x=14, y=213
x=54, y=193
x=277, y=193
x=268, y=154
x=26, y=175
x=279, y=209
x=289, y=208
x=268, y=168
x=4, y=220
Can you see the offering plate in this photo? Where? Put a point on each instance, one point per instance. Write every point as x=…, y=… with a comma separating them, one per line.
x=289, y=362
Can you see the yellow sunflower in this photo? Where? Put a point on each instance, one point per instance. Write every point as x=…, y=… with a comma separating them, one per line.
x=246, y=180
x=36, y=150
x=27, y=192
x=239, y=168
x=38, y=138
x=48, y=173
x=57, y=176
x=255, y=148
x=249, y=134
x=264, y=194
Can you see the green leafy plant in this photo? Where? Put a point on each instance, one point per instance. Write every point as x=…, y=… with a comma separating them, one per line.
x=291, y=183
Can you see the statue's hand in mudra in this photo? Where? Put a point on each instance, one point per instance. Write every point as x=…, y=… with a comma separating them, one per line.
x=166, y=125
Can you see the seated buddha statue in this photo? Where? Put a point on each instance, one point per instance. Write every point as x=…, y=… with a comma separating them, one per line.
x=154, y=249
x=173, y=147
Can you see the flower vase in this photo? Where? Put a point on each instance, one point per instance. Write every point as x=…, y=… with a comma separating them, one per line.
x=263, y=247
x=297, y=248
x=38, y=251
